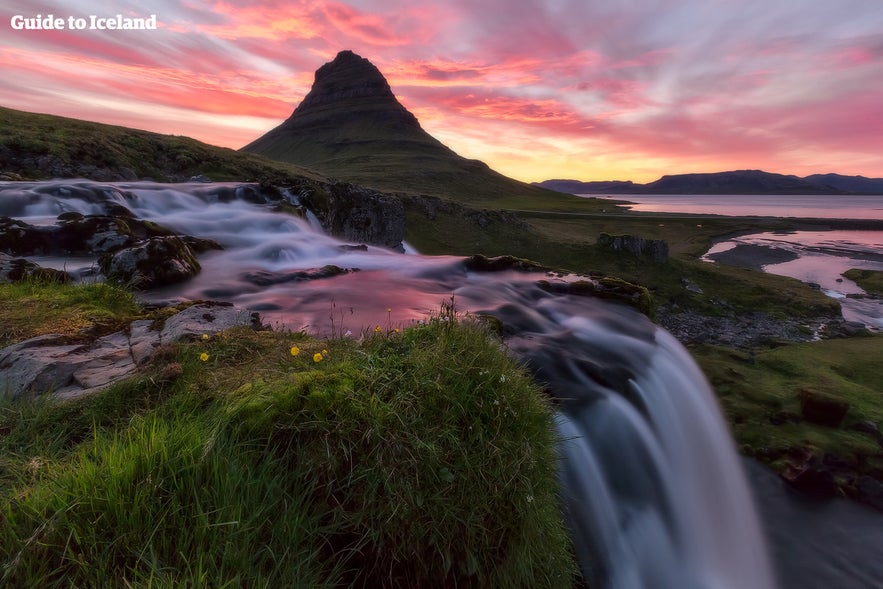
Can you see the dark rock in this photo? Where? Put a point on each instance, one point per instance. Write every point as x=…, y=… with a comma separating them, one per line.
x=604, y=287
x=18, y=238
x=265, y=278
x=655, y=249
x=156, y=262
x=822, y=409
x=480, y=263
x=815, y=482
x=17, y=269
x=358, y=214
x=869, y=491
x=868, y=427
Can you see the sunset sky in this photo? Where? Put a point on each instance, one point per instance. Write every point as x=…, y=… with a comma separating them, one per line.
x=584, y=89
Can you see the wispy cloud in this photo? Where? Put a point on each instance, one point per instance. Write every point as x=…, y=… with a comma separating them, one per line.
x=625, y=88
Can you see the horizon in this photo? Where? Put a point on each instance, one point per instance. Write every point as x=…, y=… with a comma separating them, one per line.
x=579, y=92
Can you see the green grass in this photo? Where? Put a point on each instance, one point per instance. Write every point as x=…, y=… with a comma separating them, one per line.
x=758, y=387
x=420, y=458
x=25, y=136
x=869, y=280
x=37, y=307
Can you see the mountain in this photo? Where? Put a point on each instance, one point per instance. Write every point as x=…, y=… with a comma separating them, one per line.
x=351, y=126
x=734, y=182
x=852, y=184
x=598, y=187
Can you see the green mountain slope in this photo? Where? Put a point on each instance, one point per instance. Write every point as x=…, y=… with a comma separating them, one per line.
x=351, y=126
x=40, y=146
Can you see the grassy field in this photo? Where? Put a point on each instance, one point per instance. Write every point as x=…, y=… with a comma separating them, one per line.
x=265, y=459
x=760, y=392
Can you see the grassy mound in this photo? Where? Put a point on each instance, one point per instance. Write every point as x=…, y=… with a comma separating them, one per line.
x=37, y=307
x=414, y=458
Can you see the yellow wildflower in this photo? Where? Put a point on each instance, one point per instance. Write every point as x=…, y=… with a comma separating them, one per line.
x=203, y=356
x=204, y=337
x=295, y=350
x=317, y=357
x=396, y=330
x=377, y=329
x=324, y=353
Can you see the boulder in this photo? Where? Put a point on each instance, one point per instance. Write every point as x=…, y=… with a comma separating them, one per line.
x=152, y=263
x=15, y=269
x=822, y=409
x=18, y=238
x=655, y=249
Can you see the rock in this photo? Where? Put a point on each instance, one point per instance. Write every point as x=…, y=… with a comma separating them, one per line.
x=868, y=427
x=655, y=249
x=358, y=214
x=869, y=491
x=152, y=263
x=16, y=269
x=49, y=365
x=480, y=263
x=267, y=278
x=691, y=286
x=822, y=409
x=18, y=238
x=815, y=482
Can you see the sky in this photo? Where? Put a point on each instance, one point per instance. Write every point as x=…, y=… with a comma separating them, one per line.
x=582, y=89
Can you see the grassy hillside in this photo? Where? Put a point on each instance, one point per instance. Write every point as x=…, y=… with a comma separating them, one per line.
x=40, y=146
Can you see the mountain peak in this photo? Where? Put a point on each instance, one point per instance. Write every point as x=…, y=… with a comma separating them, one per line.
x=350, y=126
x=347, y=76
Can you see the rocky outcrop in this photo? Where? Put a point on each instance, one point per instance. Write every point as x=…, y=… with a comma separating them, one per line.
x=357, y=214
x=74, y=233
x=655, y=249
x=17, y=269
x=154, y=262
x=49, y=364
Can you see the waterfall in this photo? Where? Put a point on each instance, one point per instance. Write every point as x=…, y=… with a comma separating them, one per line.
x=652, y=488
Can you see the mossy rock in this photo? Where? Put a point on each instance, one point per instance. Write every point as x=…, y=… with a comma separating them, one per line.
x=153, y=263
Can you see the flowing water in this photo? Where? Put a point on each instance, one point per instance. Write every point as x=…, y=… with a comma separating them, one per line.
x=652, y=488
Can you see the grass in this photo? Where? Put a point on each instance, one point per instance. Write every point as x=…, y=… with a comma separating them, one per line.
x=26, y=137
x=760, y=391
x=871, y=281
x=420, y=458
x=37, y=307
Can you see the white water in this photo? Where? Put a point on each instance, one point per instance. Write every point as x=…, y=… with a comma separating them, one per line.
x=653, y=491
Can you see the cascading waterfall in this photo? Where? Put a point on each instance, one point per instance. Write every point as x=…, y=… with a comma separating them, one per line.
x=652, y=488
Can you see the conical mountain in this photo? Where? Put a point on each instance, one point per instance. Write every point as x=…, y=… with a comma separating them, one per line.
x=351, y=126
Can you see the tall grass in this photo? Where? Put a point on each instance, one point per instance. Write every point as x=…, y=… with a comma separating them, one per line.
x=421, y=458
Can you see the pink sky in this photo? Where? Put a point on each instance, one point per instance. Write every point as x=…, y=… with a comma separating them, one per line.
x=585, y=89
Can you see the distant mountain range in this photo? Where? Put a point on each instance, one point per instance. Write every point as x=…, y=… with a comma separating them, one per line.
x=735, y=182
